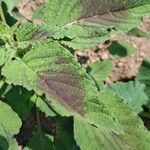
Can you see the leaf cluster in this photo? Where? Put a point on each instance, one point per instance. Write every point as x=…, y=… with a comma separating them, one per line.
x=40, y=78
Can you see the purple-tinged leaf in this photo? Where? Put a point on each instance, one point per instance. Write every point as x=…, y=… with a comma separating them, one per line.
x=64, y=88
x=93, y=21
x=50, y=69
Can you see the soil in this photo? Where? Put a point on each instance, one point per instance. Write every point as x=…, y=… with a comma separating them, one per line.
x=124, y=68
x=26, y=7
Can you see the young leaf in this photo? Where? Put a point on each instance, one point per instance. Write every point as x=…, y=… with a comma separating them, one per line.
x=132, y=93
x=100, y=70
x=9, y=126
x=49, y=68
x=135, y=135
x=6, y=32
x=121, y=49
x=20, y=100
x=93, y=21
x=40, y=141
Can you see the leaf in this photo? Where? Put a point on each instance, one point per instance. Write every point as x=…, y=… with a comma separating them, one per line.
x=100, y=70
x=26, y=31
x=94, y=21
x=6, y=33
x=90, y=28
x=32, y=32
x=2, y=56
x=40, y=141
x=38, y=13
x=89, y=137
x=138, y=33
x=121, y=49
x=64, y=138
x=76, y=10
x=43, y=107
x=9, y=126
x=135, y=135
x=144, y=75
x=11, y=5
x=132, y=93
x=7, y=17
x=20, y=100
x=6, y=53
x=49, y=68
x=4, y=88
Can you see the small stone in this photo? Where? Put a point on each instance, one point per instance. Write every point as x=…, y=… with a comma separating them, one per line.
x=104, y=56
x=119, y=64
x=142, y=54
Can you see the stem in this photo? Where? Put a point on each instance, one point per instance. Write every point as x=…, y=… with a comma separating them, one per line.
x=38, y=118
x=39, y=126
x=96, y=83
x=2, y=14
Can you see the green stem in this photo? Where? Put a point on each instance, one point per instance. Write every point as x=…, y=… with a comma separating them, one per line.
x=2, y=14
x=38, y=118
x=39, y=126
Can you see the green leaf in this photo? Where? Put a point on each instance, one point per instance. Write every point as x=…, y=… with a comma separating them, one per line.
x=6, y=16
x=64, y=138
x=93, y=21
x=6, y=53
x=135, y=135
x=89, y=137
x=132, y=93
x=144, y=75
x=26, y=31
x=20, y=100
x=2, y=56
x=6, y=32
x=43, y=107
x=49, y=68
x=31, y=32
x=100, y=70
x=139, y=33
x=9, y=126
x=40, y=141
x=121, y=49
x=76, y=10
x=11, y=5
x=4, y=88
x=38, y=13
